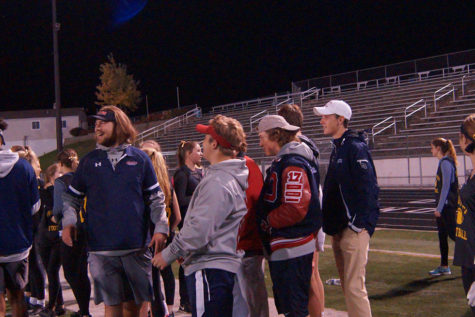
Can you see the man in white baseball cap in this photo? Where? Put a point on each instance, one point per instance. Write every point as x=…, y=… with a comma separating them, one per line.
x=350, y=203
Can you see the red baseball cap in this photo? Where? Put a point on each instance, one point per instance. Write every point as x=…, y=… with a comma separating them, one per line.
x=208, y=129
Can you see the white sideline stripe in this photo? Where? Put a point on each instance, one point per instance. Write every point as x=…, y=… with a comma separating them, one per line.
x=200, y=296
x=421, y=255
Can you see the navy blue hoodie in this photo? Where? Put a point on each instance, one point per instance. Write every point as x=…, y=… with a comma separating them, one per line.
x=350, y=193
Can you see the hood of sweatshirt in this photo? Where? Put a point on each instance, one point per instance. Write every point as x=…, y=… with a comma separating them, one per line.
x=310, y=144
x=297, y=148
x=235, y=167
x=7, y=161
x=351, y=135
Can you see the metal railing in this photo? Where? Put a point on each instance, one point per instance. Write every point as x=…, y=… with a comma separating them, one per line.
x=464, y=78
x=451, y=91
x=391, y=118
x=277, y=105
x=163, y=127
x=256, y=118
x=415, y=69
x=268, y=101
x=424, y=106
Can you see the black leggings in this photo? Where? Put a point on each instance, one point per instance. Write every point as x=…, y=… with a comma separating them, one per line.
x=169, y=283
x=75, y=271
x=443, y=241
x=158, y=306
x=468, y=277
x=51, y=257
x=36, y=275
x=184, y=299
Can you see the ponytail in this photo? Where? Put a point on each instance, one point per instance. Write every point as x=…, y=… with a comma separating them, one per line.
x=184, y=148
x=447, y=148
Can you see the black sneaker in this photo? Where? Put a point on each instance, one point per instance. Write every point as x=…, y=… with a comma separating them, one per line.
x=60, y=311
x=35, y=309
x=47, y=312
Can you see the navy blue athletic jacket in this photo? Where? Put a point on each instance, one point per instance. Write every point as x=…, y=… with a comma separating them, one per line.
x=117, y=217
x=288, y=212
x=350, y=192
x=18, y=197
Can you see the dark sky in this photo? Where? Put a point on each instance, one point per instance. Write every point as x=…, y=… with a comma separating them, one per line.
x=216, y=51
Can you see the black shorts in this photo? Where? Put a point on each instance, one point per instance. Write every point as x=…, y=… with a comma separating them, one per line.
x=291, y=284
x=13, y=275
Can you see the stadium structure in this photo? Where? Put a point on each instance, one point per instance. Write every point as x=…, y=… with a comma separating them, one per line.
x=402, y=107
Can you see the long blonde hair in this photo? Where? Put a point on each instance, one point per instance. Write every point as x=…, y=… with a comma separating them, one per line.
x=161, y=171
x=27, y=153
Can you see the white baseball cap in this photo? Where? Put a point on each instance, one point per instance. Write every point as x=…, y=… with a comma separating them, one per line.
x=338, y=107
x=275, y=121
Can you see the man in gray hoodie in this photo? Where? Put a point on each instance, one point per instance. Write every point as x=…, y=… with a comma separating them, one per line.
x=19, y=199
x=208, y=239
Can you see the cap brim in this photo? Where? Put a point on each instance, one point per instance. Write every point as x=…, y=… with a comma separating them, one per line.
x=291, y=128
x=321, y=111
x=201, y=128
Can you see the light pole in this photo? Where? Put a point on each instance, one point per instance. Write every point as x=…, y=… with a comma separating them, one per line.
x=57, y=92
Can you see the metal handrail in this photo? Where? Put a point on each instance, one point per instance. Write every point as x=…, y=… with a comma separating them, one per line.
x=413, y=105
x=277, y=105
x=165, y=125
x=309, y=93
x=270, y=100
x=252, y=120
x=443, y=95
x=385, y=128
x=463, y=83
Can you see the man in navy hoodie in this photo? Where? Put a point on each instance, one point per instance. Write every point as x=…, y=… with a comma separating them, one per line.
x=123, y=197
x=19, y=200
x=350, y=203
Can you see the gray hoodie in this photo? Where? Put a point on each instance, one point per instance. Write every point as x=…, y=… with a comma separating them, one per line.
x=208, y=238
x=7, y=161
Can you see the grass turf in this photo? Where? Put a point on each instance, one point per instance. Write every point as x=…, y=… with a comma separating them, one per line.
x=82, y=148
x=398, y=285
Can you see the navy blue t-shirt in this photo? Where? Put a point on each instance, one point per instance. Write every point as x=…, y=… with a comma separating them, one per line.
x=19, y=193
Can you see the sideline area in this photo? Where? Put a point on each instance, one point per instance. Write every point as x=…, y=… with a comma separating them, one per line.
x=397, y=279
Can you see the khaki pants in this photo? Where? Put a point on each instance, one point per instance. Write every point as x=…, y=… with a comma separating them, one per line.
x=351, y=255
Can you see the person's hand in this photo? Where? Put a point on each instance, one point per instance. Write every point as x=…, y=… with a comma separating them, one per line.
x=53, y=219
x=437, y=214
x=158, y=242
x=158, y=261
x=69, y=234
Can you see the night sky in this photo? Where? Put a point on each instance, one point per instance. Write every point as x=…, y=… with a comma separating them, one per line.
x=216, y=51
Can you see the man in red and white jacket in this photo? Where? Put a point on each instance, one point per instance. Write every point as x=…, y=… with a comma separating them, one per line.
x=289, y=214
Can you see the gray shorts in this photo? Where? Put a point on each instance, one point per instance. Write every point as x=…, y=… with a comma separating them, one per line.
x=119, y=279
x=13, y=275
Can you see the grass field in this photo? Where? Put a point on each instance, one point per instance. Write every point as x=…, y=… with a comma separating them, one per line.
x=399, y=285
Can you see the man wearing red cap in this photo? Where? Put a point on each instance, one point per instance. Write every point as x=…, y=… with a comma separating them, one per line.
x=208, y=239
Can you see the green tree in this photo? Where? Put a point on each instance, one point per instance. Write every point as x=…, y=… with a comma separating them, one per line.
x=117, y=87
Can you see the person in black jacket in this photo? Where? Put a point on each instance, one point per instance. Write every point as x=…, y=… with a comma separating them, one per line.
x=464, y=254
x=350, y=203
x=48, y=244
x=185, y=180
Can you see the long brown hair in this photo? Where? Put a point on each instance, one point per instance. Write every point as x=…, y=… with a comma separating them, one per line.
x=161, y=171
x=50, y=171
x=123, y=129
x=185, y=147
x=447, y=148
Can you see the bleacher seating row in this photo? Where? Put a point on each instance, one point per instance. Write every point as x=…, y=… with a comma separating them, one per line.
x=370, y=106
